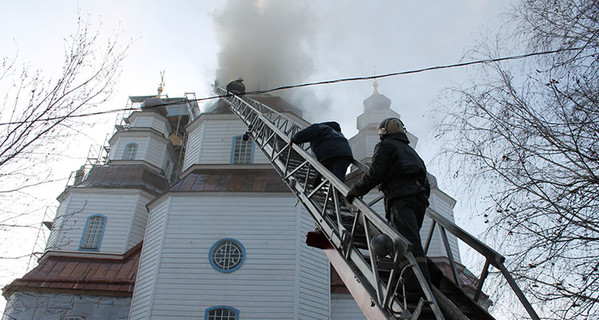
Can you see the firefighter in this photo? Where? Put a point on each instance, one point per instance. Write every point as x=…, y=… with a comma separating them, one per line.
x=236, y=86
x=400, y=174
x=329, y=146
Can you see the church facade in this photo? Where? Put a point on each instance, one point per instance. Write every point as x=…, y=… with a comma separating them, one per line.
x=187, y=220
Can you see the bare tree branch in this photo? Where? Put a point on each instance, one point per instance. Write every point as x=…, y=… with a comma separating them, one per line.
x=530, y=133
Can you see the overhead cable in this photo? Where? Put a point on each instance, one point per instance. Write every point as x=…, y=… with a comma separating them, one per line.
x=317, y=83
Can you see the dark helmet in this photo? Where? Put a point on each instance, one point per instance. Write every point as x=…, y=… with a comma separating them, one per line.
x=333, y=125
x=391, y=126
x=382, y=245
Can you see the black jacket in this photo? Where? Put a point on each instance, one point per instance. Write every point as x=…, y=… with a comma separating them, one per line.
x=397, y=170
x=325, y=142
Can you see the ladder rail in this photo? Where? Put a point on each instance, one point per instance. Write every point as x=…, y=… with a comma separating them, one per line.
x=491, y=256
x=272, y=135
x=263, y=122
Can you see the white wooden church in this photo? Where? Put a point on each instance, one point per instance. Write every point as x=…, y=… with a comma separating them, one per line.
x=186, y=220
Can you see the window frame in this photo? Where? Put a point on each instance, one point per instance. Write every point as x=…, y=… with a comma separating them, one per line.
x=100, y=237
x=125, y=152
x=216, y=245
x=234, y=144
x=208, y=310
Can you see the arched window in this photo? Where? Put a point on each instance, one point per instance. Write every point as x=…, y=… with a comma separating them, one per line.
x=227, y=255
x=93, y=232
x=221, y=313
x=130, y=151
x=242, y=152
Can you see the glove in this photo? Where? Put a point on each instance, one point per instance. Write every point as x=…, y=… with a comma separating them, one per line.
x=351, y=195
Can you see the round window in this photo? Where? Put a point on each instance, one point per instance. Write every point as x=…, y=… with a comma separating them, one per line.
x=227, y=255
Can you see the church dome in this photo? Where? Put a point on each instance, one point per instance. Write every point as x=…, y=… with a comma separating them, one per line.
x=376, y=101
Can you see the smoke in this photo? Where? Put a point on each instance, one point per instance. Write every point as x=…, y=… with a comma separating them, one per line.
x=268, y=43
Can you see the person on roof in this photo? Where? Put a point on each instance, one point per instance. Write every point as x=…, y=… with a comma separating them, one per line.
x=329, y=145
x=401, y=175
x=236, y=86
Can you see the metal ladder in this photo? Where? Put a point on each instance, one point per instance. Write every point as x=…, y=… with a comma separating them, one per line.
x=372, y=280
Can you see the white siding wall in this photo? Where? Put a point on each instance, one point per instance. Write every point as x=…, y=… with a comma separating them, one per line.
x=363, y=144
x=195, y=138
x=267, y=286
x=358, y=146
x=118, y=149
x=437, y=247
x=118, y=208
x=344, y=307
x=152, y=149
x=149, y=263
x=139, y=221
x=151, y=120
x=157, y=153
x=27, y=305
x=371, y=142
x=56, y=238
x=212, y=140
x=314, y=293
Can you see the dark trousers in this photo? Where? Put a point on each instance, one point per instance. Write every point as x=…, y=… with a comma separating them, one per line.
x=406, y=215
x=337, y=165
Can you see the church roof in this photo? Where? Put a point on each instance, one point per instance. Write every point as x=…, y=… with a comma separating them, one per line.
x=232, y=180
x=130, y=176
x=81, y=275
x=275, y=102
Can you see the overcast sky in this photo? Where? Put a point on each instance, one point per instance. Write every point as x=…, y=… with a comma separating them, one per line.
x=269, y=44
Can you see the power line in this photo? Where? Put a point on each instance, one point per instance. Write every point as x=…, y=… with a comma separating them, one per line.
x=70, y=116
x=325, y=82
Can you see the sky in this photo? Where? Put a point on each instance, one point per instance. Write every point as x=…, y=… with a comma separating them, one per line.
x=269, y=44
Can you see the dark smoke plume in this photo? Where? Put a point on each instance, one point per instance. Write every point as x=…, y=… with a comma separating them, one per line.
x=267, y=43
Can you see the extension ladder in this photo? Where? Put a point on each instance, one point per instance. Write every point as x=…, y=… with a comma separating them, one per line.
x=372, y=280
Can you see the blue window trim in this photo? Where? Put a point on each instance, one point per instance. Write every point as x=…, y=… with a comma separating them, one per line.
x=216, y=244
x=221, y=307
x=101, y=233
x=233, y=149
x=127, y=146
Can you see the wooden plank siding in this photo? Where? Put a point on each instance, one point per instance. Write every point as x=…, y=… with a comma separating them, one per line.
x=314, y=274
x=212, y=142
x=157, y=153
x=120, y=207
x=195, y=138
x=443, y=206
x=149, y=262
x=151, y=120
x=358, y=146
x=118, y=148
x=150, y=148
x=344, y=307
x=54, y=240
x=279, y=273
x=139, y=221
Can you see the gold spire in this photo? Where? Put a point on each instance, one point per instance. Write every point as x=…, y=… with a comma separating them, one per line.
x=161, y=85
